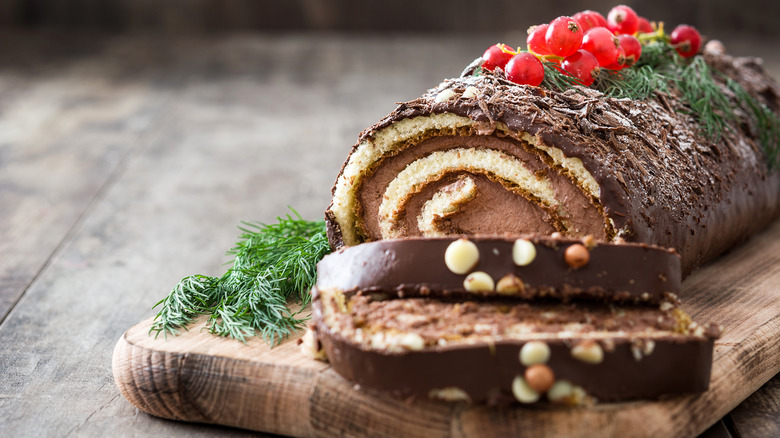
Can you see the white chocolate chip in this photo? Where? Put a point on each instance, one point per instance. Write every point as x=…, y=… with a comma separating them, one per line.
x=471, y=91
x=461, y=256
x=588, y=351
x=523, y=392
x=636, y=352
x=649, y=347
x=578, y=396
x=560, y=391
x=479, y=282
x=450, y=394
x=484, y=329
x=523, y=252
x=310, y=347
x=412, y=341
x=396, y=342
x=534, y=352
x=445, y=95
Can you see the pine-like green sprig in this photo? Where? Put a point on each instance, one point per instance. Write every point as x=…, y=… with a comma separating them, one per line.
x=705, y=98
x=661, y=70
x=764, y=122
x=274, y=266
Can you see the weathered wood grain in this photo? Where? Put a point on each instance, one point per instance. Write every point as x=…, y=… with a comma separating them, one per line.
x=758, y=416
x=227, y=129
x=66, y=128
x=149, y=150
x=199, y=377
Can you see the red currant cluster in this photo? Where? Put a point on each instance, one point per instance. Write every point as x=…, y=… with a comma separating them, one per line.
x=581, y=45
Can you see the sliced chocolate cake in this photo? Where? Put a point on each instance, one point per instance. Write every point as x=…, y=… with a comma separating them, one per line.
x=500, y=351
x=526, y=267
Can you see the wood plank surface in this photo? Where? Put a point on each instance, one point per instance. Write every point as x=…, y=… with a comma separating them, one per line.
x=244, y=126
x=200, y=377
x=758, y=416
x=127, y=161
x=67, y=126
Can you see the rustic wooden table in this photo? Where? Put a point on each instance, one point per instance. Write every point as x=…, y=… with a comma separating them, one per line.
x=127, y=162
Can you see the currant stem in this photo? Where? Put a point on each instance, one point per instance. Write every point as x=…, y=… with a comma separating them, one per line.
x=549, y=57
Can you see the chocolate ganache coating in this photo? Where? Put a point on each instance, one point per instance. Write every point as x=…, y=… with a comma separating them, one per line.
x=467, y=351
x=627, y=272
x=656, y=178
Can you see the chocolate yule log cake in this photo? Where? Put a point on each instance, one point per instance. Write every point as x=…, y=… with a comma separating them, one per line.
x=479, y=155
x=516, y=235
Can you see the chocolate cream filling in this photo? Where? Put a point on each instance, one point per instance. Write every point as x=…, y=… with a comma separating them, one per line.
x=496, y=204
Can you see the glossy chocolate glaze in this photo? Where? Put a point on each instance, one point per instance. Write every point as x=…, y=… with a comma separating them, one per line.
x=416, y=267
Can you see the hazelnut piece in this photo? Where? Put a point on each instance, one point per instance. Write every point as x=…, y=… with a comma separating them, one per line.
x=479, y=282
x=539, y=377
x=461, y=256
x=588, y=351
x=509, y=284
x=576, y=256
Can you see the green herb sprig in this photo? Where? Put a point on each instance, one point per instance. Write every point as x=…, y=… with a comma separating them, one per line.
x=274, y=267
x=700, y=88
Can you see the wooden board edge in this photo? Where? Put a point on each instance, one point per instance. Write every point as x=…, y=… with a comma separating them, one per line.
x=176, y=386
x=182, y=386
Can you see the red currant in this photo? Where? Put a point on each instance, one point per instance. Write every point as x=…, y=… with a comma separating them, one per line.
x=494, y=57
x=536, y=41
x=583, y=66
x=564, y=36
x=622, y=19
x=644, y=25
x=632, y=49
x=602, y=44
x=619, y=63
x=589, y=19
x=686, y=40
x=525, y=69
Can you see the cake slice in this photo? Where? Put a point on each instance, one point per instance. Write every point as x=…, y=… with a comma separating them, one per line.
x=508, y=351
x=526, y=267
x=572, y=327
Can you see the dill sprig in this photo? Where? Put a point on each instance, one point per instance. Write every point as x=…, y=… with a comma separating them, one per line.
x=635, y=83
x=555, y=79
x=764, y=122
x=706, y=99
x=274, y=266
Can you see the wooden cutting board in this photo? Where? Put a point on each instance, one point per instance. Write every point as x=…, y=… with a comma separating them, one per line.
x=199, y=377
